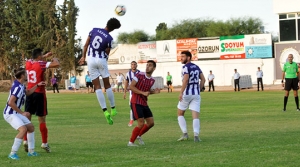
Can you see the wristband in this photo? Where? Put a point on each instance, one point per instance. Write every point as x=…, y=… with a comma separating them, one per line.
x=281, y=81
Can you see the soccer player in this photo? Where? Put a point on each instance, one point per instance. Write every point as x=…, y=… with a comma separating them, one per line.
x=99, y=43
x=141, y=88
x=189, y=96
x=130, y=74
x=36, y=103
x=292, y=78
x=169, y=82
x=16, y=117
x=88, y=82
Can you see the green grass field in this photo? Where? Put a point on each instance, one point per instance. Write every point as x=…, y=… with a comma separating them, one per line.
x=237, y=129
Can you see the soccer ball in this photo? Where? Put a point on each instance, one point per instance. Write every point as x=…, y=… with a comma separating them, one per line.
x=120, y=10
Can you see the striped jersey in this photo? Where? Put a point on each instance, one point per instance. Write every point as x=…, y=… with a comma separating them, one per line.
x=144, y=84
x=35, y=73
x=130, y=75
x=193, y=87
x=100, y=40
x=17, y=90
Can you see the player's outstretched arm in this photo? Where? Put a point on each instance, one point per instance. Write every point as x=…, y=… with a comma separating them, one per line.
x=54, y=64
x=30, y=91
x=49, y=54
x=85, y=47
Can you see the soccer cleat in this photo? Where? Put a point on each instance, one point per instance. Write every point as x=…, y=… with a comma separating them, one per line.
x=283, y=110
x=130, y=144
x=25, y=147
x=13, y=156
x=113, y=112
x=298, y=109
x=196, y=139
x=108, y=118
x=130, y=123
x=46, y=148
x=32, y=154
x=141, y=142
x=183, y=138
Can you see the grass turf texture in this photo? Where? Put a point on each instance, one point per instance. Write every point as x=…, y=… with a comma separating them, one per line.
x=237, y=129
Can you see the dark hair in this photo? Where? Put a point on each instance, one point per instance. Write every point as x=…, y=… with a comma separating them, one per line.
x=36, y=53
x=112, y=24
x=153, y=62
x=19, y=72
x=133, y=62
x=187, y=53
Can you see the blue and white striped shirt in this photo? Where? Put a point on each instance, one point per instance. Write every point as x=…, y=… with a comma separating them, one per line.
x=193, y=87
x=130, y=75
x=17, y=90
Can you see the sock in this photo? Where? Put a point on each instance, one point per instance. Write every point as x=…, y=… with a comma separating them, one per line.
x=25, y=138
x=196, y=127
x=285, y=102
x=144, y=129
x=31, y=141
x=182, y=124
x=110, y=96
x=297, y=101
x=101, y=98
x=44, y=132
x=135, y=133
x=16, y=145
x=131, y=115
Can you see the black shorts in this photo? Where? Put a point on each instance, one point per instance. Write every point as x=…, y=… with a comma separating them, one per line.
x=36, y=104
x=89, y=84
x=169, y=83
x=140, y=111
x=291, y=83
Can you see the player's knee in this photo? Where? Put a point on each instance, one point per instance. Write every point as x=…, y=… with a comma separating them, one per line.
x=30, y=128
x=22, y=129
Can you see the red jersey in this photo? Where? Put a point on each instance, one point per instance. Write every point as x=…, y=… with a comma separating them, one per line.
x=143, y=84
x=35, y=74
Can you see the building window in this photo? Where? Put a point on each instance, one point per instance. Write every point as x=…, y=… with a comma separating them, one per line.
x=287, y=29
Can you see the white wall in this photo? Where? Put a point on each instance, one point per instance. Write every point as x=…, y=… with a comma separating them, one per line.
x=222, y=69
x=286, y=6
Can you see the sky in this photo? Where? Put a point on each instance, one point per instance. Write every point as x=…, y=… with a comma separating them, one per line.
x=147, y=14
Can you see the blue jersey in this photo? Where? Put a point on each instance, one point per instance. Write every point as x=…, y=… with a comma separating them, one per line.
x=88, y=78
x=100, y=40
x=193, y=87
x=17, y=90
x=73, y=79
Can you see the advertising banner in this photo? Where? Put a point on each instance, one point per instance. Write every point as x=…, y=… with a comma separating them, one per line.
x=258, y=46
x=208, y=48
x=147, y=51
x=189, y=44
x=166, y=51
x=232, y=47
x=282, y=51
x=123, y=54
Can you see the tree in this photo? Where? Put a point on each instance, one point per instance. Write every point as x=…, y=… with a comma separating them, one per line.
x=132, y=38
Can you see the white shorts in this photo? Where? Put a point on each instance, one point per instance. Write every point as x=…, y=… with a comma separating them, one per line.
x=16, y=120
x=190, y=101
x=97, y=67
x=73, y=85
